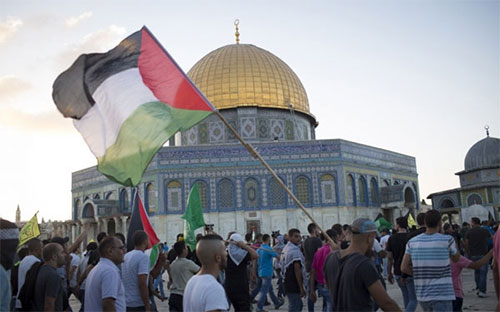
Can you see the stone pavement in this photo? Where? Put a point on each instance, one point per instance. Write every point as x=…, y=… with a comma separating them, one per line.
x=471, y=301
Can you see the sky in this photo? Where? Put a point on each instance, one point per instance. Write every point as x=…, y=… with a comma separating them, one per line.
x=420, y=78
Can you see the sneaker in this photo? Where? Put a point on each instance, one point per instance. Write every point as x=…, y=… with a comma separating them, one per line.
x=281, y=302
x=481, y=294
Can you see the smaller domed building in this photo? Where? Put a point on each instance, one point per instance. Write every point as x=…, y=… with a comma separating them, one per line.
x=479, y=191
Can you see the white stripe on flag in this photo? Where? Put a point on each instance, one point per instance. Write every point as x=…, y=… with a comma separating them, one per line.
x=116, y=99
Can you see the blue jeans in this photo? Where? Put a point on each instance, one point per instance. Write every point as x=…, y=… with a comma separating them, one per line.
x=437, y=306
x=256, y=290
x=267, y=287
x=327, y=301
x=480, y=275
x=295, y=303
x=408, y=291
x=310, y=304
x=158, y=283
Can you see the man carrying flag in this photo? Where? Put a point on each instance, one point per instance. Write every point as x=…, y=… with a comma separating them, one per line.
x=193, y=217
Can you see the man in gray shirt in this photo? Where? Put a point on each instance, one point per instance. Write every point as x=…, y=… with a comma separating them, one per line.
x=182, y=270
x=49, y=292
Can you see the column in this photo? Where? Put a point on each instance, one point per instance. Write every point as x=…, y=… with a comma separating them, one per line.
x=73, y=232
x=117, y=225
x=104, y=225
x=124, y=225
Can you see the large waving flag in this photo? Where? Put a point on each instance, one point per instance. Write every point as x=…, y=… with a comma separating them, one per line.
x=30, y=230
x=193, y=216
x=127, y=103
x=140, y=221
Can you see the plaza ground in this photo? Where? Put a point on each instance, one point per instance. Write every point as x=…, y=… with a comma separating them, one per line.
x=471, y=301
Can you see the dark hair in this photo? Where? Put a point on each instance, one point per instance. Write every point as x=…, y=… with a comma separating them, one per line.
x=337, y=228
x=49, y=251
x=421, y=219
x=446, y=227
x=311, y=227
x=345, y=227
x=293, y=231
x=211, y=237
x=106, y=243
x=33, y=244
x=121, y=237
x=101, y=236
x=179, y=247
x=402, y=222
x=179, y=236
x=432, y=218
x=333, y=234
x=91, y=246
x=23, y=252
x=266, y=237
x=139, y=237
x=465, y=224
x=258, y=236
x=248, y=237
x=476, y=220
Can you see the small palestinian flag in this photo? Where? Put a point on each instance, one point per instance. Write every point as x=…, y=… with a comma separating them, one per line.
x=140, y=221
x=127, y=103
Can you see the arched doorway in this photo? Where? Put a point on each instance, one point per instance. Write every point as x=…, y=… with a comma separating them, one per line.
x=409, y=197
x=88, y=211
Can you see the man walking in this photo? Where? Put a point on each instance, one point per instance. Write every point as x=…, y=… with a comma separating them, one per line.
x=105, y=291
x=476, y=246
x=35, y=254
x=352, y=278
x=135, y=270
x=311, y=245
x=181, y=271
x=427, y=259
x=236, y=283
x=395, y=251
x=49, y=291
x=203, y=292
x=293, y=270
x=265, y=264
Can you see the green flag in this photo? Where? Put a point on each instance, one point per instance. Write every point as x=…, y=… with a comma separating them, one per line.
x=193, y=216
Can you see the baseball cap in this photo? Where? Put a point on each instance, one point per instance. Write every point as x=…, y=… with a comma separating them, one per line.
x=236, y=238
x=59, y=240
x=363, y=226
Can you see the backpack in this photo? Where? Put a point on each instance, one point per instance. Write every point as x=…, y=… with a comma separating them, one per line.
x=27, y=293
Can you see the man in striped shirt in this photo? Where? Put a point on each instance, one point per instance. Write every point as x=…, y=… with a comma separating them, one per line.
x=427, y=258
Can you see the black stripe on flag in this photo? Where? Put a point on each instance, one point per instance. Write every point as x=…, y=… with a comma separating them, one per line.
x=72, y=91
x=135, y=222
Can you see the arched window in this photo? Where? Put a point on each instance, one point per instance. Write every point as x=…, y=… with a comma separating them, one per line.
x=302, y=190
x=363, y=199
x=396, y=182
x=374, y=191
x=96, y=196
x=386, y=182
x=124, y=202
x=174, y=196
x=251, y=193
x=350, y=190
x=277, y=195
x=328, y=191
x=88, y=211
x=109, y=195
x=226, y=194
x=474, y=199
x=151, y=198
x=446, y=203
x=203, y=189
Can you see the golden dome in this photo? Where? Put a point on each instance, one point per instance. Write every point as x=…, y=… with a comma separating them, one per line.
x=239, y=75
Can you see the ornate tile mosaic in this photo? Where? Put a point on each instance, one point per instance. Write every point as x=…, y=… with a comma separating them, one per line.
x=277, y=129
x=203, y=133
x=192, y=136
x=247, y=127
x=263, y=128
x=216, y=130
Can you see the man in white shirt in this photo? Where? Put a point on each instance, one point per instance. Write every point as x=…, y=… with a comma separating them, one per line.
x=35, y=254
x=203, y=292
x=105, y=291
x=135, y=271
x=383, y=243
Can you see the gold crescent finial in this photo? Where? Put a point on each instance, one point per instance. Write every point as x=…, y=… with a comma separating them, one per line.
x=237, y=34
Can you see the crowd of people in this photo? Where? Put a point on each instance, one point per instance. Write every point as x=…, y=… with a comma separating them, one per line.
x=346, y=268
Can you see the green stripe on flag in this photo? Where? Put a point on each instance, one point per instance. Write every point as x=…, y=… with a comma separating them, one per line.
x=193, y=216
x=141, y=136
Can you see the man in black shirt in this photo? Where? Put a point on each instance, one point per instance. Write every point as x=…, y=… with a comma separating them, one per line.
x=293, y=268
x=311, y=245
x=476, y=246
x=236, y=283
x=352, y=277
x=49, y=284
x=395, y=251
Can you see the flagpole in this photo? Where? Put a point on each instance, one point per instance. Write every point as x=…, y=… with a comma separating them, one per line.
x=255, y=154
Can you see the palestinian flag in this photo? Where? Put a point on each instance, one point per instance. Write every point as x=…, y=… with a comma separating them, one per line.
x=140, y=221
x=127, y=103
